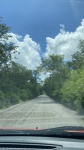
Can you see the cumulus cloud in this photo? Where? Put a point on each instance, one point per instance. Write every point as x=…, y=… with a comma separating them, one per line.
x=29, y=51
x=65, y=43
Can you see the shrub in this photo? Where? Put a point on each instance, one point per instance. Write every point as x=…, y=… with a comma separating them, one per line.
x=2, y=99
x=12, y=99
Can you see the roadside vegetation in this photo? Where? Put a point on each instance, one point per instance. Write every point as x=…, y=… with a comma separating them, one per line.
x=66, y=81
x=19, y=84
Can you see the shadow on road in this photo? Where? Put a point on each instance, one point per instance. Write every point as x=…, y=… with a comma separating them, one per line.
x=51, y=102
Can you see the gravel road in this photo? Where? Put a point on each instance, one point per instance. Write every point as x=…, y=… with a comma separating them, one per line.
x=42, y=112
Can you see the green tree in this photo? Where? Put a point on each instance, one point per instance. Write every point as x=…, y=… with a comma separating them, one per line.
x=52, y=63
x=73, y=90
x=58, y=74
x=5, y=46
x=78, y=57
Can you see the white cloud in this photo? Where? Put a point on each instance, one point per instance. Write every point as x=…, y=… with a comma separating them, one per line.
x=65, y=43
x=29, y=51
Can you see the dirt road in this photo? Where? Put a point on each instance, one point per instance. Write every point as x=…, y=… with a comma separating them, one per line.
x=41, y=112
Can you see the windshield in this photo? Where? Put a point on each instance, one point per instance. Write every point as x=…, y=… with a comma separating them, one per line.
x=41, y=64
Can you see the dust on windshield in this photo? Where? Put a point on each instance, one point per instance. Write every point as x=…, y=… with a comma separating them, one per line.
x=41, y=63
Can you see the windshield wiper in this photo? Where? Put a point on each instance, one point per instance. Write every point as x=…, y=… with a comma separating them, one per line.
x=65, y=131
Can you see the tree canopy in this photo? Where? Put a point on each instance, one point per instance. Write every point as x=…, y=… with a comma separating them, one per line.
x=17, y=83
x=5, y=47
x=66, y=81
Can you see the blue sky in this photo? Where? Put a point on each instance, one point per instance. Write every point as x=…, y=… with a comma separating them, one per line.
x=41, y=19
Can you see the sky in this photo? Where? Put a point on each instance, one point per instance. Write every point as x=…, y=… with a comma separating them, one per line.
x=43, y=27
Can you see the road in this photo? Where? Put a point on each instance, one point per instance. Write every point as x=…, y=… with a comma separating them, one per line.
x=42, y=112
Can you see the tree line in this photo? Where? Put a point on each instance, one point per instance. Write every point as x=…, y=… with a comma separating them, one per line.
x=66, y=81
x=17, y=83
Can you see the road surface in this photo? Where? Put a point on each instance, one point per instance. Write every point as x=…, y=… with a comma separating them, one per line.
x=42, y=112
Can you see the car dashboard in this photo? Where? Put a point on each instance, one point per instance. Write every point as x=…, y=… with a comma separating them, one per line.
x=38, y=142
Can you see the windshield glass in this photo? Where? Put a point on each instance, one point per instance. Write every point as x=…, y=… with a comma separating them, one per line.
x=41, y=64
